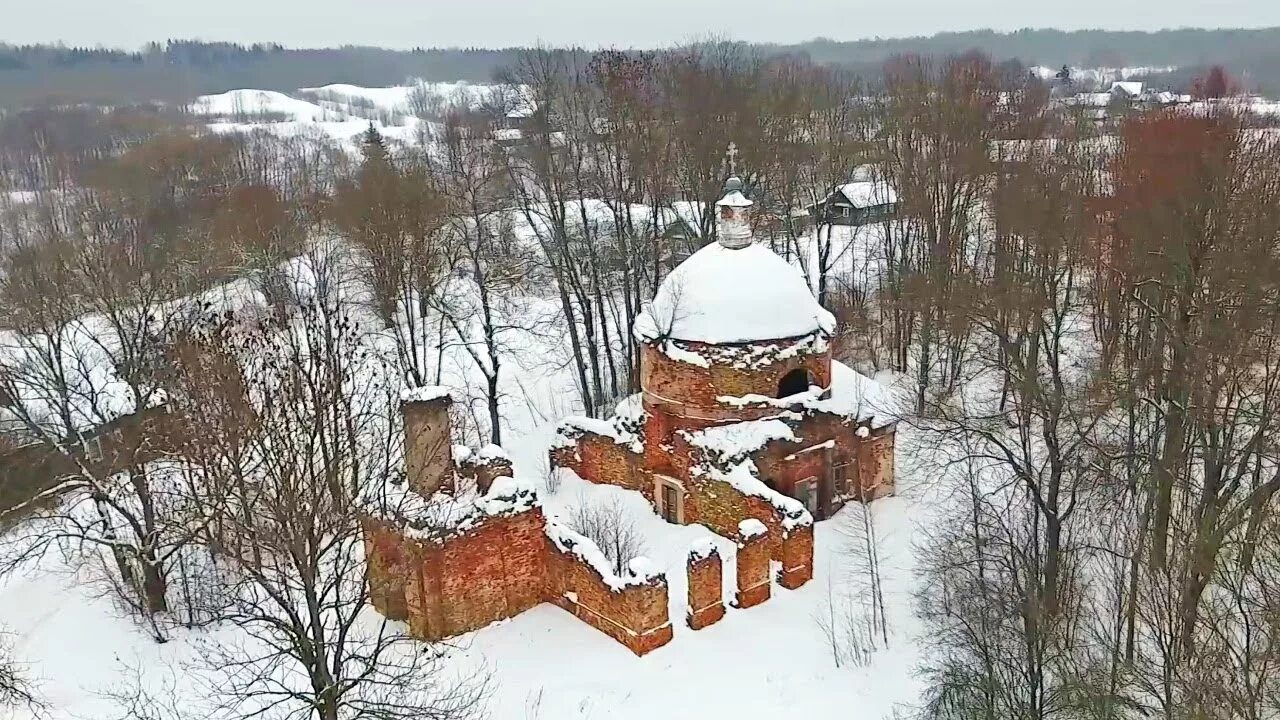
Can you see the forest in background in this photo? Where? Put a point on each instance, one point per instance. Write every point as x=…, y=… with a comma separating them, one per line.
x=182, y=69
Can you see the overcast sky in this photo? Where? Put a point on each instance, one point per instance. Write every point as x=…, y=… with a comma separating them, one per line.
x=593, y=23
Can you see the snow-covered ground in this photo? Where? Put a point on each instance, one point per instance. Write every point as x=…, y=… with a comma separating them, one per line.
x=1101, y=76
x=340, y=112
x=773, y=660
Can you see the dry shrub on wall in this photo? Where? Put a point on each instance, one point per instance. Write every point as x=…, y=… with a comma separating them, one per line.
x=610, y=525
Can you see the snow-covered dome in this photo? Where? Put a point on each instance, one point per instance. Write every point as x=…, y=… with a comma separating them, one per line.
x=724, y=295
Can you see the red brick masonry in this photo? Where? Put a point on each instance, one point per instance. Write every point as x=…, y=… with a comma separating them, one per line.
x=706, y=602
x=498, y=569
x=753, y=570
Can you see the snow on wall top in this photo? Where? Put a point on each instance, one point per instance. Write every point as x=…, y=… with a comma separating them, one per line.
x=621, y=429
x=640, y=571
x=702, y=548
x=443, y=515
x=425, y=393
x=722, y=295
x=746, y=357
x=744, y=477
x=490, y=454
x=851, y=395
x=630, y=410
x=738, y=439
x=752, y=528
x=727, y=459
x=734, y=199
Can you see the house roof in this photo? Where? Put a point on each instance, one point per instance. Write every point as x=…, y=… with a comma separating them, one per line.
x=1130, y=88
x=867, y=193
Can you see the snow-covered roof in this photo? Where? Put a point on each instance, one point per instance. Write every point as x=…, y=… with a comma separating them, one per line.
x=722, y=295
x=1130, y=88
x=734, y=199
x=856, y=395
x=868, y=193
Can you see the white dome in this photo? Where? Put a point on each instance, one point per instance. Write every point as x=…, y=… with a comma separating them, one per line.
x=722, y=295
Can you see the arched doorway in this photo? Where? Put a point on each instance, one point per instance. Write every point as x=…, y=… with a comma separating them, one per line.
x=794, y=383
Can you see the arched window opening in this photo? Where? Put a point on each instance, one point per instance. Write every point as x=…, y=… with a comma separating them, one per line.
x=794, y=383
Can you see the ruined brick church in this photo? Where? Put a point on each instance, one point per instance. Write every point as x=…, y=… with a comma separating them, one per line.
x=745, y=425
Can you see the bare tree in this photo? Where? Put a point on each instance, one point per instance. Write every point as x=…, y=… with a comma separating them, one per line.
x=393, y=212
x=305, y=416
x=16, y=688
x=611, y=527
x=98, y=280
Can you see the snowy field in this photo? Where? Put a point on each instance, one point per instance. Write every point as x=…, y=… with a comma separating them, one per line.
x=774, y=660
x=339, y=112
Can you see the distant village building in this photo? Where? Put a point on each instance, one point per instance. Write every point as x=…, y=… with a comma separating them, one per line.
x=1125, y=90
x=1121, y=97
x=862, y=201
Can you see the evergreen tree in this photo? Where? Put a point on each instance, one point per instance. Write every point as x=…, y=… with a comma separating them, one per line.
x=375, y=148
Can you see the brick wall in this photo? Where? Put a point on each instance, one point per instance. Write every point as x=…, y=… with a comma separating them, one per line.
x=497, y=570
x=599, y=459
x=720, y=506
x=797, y=558
x=753, y=570
x=665, y=450
x=484, y=473
x=784, y=464
x=876, y=464
x=635, y=616
x=384, y=556
x=696, y=386
x=706, y=589
x=494, y=571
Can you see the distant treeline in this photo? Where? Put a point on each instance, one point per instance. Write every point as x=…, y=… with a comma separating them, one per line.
x=179, y=70
x=41, y=74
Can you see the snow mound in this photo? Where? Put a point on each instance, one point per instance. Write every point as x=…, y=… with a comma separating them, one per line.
x=260, y=102
x=722, y=295
x=751, y=528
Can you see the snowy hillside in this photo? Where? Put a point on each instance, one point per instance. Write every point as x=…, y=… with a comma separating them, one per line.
x=340, y=112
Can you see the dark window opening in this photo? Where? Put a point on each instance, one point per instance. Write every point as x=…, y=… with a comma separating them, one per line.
x=794, y=383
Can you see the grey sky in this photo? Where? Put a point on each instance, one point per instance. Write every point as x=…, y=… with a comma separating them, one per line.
x=490, y=23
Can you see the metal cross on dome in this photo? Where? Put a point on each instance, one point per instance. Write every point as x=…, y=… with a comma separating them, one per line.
x=732, y=155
